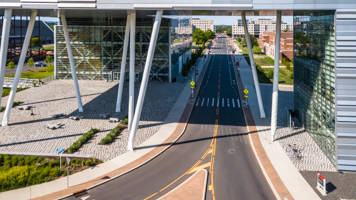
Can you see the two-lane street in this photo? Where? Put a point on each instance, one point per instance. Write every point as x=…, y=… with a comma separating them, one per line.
x=216, y=139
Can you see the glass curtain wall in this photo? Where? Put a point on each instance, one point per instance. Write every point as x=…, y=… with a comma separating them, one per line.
x=180, y=43
x=98, y=46
x=314, y=76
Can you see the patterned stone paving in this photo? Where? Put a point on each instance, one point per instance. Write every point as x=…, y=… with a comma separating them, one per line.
x=27, y=133
x=312, y=158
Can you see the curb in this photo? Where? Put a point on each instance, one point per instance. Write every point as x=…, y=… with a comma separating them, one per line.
x=200, y=79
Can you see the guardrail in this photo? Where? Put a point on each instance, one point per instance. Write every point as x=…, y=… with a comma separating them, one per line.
x=45, y=154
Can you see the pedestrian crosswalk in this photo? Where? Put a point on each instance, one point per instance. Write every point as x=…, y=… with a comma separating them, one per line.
x=221, y=102
x=216, y=53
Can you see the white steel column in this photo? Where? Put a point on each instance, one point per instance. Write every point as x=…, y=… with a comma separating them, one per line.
x=71, y=62
x=145, y=77
x=253, y=66
x=276, y=76
x=123, y=64
x=132, y=68
x=19, y=67
x=4, y=45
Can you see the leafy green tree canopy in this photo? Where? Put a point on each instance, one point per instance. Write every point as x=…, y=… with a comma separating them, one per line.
x=48, y=59
x=11, y=65
x=30, y=62
x=36, y=42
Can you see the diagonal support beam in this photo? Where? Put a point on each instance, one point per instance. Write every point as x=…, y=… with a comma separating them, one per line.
x=123, y=64
x=132, y=68
x=4, y=45
x=276, y=75
x=19, y=68
x=144, y=82
x=253, y=66
x=71, y=62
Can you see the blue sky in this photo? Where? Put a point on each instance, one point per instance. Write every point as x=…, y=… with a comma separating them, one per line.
x=218, y=20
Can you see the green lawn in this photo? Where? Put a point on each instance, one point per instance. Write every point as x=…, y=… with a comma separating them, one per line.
x=6, y=91
x=36, y=73
x=49, y=48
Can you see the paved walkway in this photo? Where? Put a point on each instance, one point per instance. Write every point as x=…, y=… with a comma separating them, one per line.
x=173, y=126
x=290, y=176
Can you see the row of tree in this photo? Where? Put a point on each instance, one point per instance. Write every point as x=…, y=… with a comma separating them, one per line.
x=31, y=63
x=222, y=29
x=201, y=37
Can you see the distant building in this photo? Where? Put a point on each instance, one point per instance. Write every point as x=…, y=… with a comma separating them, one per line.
x=203, y=24
x=267, y=44
x=17, y=36
x=257, y=27
x=184, y=27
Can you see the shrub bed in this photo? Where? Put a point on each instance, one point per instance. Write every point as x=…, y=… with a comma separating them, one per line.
x=17, y=171
x=110, y=137
x=82, y=140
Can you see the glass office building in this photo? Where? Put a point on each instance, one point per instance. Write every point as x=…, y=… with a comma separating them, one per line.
x=314, y=76
x=97, y=46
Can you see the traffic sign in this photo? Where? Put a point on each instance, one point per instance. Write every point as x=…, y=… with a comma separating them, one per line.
x=246, y=91
x=196, y=72
x=245, y=96
x=192, y=83
x=60, y=150
x=192, y=87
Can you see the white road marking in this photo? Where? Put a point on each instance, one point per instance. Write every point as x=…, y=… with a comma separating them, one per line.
x=212, y=102
x=197, y=102
x=228, y=102
x=217, y=104
x=202, y=102
x=222, y=102
x=238, y=102
x=207, y=102
x=233, y=103
x=84, y=198
x=240, y=136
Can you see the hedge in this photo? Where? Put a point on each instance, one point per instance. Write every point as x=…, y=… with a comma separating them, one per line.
x=110, y=137
x=82, y=140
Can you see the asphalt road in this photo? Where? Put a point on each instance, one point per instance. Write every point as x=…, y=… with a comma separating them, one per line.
x=215, y=139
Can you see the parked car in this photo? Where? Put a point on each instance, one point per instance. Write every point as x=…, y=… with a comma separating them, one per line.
x=40, y=64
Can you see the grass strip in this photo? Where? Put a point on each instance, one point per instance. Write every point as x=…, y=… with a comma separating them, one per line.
x=110, y=137
x=16, y=103
x=82, y=140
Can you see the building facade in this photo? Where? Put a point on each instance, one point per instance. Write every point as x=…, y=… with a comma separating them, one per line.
x=97, y=49
x=257, y=27
x=267, y=44
x=203, y=24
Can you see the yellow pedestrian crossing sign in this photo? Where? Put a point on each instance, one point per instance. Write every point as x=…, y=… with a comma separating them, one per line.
x=192, y=83
x=245, y=91
x=245, y=96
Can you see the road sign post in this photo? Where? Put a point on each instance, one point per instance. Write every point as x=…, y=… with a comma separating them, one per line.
x=321, y=184
x=60, y=151
x=68, y=163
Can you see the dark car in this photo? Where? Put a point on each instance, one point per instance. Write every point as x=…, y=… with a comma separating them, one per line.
x=40, y=64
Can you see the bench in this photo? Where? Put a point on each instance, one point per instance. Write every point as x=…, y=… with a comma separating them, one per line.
x=55, y=116
x=54, y=126
x=76, y=117
x=25, y=107
x=104, y=116
x=114, y=120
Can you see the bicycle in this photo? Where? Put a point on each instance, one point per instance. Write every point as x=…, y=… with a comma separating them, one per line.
x=294, y=152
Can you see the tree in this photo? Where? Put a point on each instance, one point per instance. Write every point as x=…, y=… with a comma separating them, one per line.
x=254, y=41
x=30, y=62
x=285, y=30
x=36, y=42
x=239, y=39
x=48, y=59
x=199, y=36
x=210, y=34
x=50, y=68
x=11, y=65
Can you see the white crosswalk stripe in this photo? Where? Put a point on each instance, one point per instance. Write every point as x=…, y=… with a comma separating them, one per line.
x=238, y=102
x=202, y=102
x=222, y=102
x=212, y=102
x=197, y=102
x=217, y=104
x=233, y=103
x=207, y=102
x=228, y=102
